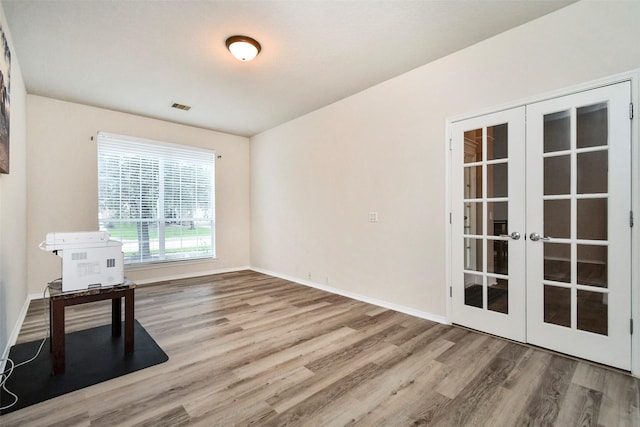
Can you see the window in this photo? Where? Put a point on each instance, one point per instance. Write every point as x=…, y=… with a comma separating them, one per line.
x=157, y=198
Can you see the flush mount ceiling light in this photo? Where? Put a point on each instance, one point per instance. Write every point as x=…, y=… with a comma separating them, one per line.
x=242, y=47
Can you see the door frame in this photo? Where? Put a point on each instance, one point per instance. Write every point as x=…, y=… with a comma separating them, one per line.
x=634, y=78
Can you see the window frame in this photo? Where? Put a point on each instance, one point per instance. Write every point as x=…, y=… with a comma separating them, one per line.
x=162, y=156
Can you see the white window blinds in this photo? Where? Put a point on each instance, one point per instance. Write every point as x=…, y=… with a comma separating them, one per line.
x=157, y=198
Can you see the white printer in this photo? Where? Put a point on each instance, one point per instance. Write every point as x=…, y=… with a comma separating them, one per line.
x=89, y=259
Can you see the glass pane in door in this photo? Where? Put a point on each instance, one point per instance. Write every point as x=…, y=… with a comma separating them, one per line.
x=575, y=199
x=498, y=218
x=557, y=305
x=473, y=182
x=557, y=262
x=498, y=295
x=473, y=218
x=593, y=312
x=592, y=178
x=486, y=207
x=473, y=254
x=592, y=219
x=497, y=147
x=557, y=218
x=593, y=173
x=592, y=265
x=498, y=256
x=473, y=295
x=497, y=180
x=557, y=131
x=557, y=175
x=473, y=146
x=497, y=221
x=592, y=128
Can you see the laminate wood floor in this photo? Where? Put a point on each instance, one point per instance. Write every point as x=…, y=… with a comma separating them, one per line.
x=250, y=349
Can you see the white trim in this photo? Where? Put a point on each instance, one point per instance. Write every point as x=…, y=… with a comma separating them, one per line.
x=191, y=275
x=385, y=304
x=447, y=222
x=34, y=296
x=635, y=231
x=144, y=266
x=15, y=332
x=569, y=90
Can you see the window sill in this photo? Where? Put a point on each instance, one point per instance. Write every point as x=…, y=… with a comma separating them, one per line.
x=166, y=264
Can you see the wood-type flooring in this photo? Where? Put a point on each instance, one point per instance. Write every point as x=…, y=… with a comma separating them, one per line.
x=250, y=349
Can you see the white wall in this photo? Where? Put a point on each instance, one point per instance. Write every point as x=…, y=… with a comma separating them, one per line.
x=62, y=184
x=314, y=179
x=13, y=207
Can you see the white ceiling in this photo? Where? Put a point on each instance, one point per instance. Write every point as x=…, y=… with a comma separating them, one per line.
x=142, y=56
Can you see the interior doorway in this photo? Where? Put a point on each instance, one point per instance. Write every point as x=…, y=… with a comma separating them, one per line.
x=540, y=231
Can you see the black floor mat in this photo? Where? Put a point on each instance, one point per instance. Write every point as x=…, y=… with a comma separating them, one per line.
x=92, y=356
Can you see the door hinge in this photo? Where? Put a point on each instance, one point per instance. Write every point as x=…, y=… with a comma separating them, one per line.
x=450, y=291
x=631, y=219
x=631, y=326
x=450, y=218
x=450, y=143
x=630, y=110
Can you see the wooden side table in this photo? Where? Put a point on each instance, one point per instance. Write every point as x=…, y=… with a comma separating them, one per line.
x=58, y=300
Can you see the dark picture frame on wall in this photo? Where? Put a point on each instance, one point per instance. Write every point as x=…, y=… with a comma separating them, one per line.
x=5, y=85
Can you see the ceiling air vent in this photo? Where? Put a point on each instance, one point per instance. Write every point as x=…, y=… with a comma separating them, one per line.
x=180, y=106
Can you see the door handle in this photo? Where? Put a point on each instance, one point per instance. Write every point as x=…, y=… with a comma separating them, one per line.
x=535, y=237
x=515, y=235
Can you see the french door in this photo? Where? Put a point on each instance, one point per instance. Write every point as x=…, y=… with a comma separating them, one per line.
x=541, y=234
x=488, y=246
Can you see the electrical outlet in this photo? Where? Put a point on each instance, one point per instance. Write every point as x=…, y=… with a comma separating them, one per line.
x=309, y=276
x=327, y=280
x=373, y=216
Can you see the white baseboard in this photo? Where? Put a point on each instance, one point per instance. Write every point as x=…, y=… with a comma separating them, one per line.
x=190, y=275
x=380, y=303
x=14, y=333
x=31, y=297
